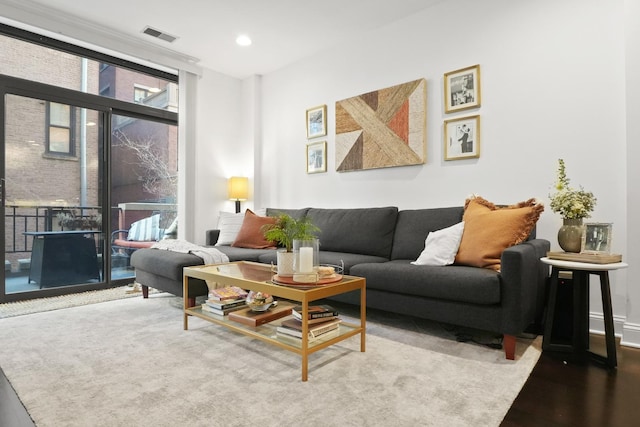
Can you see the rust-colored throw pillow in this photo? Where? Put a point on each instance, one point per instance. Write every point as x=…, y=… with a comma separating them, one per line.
x=489, y=230
x=250, y=234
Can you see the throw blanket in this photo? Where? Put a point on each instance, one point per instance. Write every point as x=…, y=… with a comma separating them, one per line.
x=208, y=255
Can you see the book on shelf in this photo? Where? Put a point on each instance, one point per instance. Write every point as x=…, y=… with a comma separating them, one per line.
x=282, y=332
x=317, y=320
x=221, y=311
x=293, y=327
x=256, y=318
x=227, y=293
x=315, y=311
x=221, y=305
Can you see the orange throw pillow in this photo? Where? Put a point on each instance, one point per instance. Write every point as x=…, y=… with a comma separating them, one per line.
x=489, y=230
x=250, y=234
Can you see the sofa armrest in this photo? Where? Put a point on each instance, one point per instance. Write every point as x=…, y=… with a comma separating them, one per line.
x=211, y=237
x=523, y=284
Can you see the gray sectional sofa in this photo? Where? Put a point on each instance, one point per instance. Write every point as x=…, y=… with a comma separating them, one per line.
x=379, y=244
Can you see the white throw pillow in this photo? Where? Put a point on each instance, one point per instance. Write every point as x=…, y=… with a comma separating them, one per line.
x=229, y=225
x=441, y=247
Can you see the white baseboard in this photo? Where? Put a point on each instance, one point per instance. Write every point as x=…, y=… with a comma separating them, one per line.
x=631, y=335
x=628, y=333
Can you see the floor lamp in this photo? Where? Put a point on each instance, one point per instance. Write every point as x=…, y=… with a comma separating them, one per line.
x=238, y=190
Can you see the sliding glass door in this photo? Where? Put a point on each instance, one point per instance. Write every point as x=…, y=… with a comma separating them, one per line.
x=88, y=146
x=52, y=195
x=144, y=179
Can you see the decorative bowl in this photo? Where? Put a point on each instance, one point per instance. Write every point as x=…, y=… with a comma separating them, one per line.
x=259, y=301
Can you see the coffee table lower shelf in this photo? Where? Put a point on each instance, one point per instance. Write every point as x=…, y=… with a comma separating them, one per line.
x=257, y=277
x=267, y=332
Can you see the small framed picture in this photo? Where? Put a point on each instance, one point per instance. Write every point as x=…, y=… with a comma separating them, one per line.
x=596, y=238
x=462, y=89
x=462, y=138
x=316, y=121
x=317, y=157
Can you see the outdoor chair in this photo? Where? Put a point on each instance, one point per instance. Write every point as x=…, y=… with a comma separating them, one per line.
x=142, y=234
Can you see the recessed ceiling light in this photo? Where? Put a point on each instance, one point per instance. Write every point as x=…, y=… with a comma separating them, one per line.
x=243, y=40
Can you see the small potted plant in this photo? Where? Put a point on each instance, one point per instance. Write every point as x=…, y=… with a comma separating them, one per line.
x=284, y=231
x=69, y=221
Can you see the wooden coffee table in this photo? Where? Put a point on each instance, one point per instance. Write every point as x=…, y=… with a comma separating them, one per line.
x=257, y=277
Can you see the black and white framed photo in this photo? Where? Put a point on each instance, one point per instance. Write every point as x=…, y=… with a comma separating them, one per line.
x=317, y=157
x=316, y=121
x=596, y=238
x=462, y=89
x=462, y=138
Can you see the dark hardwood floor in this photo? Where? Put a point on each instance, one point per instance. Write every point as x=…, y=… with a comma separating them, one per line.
x=563, y=392
x=560, y=392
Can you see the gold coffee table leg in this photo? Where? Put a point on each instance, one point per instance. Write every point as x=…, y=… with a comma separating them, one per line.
x=305, y=366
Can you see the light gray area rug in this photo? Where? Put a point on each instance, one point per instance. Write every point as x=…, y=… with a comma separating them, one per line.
x=37, y=305
x=130, y=363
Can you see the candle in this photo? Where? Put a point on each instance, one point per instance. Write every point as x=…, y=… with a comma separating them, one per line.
x=306, y=260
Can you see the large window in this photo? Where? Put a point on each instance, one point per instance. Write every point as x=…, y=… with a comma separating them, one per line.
x=33, y=57
x=84, y=157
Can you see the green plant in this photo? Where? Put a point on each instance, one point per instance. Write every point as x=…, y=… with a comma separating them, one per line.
x=569, y=202
x=286, y=229
x=70, y=221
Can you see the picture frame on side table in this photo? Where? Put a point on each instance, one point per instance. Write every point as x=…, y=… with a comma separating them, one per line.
x=317, y=157
x=462, y=138
x=462, y=89
x=596, y=238
x=317, y=121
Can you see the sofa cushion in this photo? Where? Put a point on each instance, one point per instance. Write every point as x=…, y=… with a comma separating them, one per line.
x=414, y=226
x=168, y=264
x=489, y=230
x=366, y=231
x=340, y=259
x=293, y=213
x=229, y=225
x=244, y=254
x=454, y=283
x=441, y=247
x=251, y=234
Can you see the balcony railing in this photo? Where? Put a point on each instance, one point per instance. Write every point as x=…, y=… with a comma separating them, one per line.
x=20, y=219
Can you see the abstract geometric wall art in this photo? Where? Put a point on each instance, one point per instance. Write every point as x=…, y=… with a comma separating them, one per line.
x=382, y=129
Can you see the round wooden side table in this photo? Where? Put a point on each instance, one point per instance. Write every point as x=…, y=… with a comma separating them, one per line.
x=580, y=340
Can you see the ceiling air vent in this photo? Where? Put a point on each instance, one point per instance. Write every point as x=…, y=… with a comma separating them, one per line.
x=159, y=34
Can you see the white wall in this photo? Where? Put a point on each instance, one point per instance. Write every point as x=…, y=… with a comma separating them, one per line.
x=553, y=86
x=228, y=142
x=218, y=149
x=631, y=331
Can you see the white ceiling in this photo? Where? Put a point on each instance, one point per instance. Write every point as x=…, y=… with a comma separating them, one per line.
x=283, y=31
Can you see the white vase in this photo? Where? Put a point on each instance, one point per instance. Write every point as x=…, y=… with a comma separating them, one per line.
x=285, y=263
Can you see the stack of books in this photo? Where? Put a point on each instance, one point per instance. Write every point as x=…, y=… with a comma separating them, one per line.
x=223, y=301
x=323, y=322
x=257, y=318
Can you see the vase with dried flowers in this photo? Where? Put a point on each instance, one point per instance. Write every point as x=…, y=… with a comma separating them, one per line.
x=573, y=205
